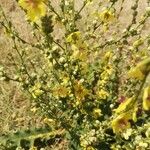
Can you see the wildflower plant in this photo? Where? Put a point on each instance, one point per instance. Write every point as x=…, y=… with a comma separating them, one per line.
x=90, y=82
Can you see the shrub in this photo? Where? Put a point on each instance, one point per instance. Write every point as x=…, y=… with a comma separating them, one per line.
x=85, y=72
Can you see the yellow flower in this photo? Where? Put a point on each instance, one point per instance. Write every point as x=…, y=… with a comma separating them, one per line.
x=80, y=91
x=102, y=82
x=123, y=106
x=104, y=75
x=146, y=98
x=136, y=73
x=79, y=47
x=36, y=90
x=60, y=91
x=74, y=37
x=80, y=51
x=121, y=123
x=80, y=55
x=65, y=78
x=97, y=112
x=107, y=55
x=103, y=94
x=107, y=15
x=35, y=8
x=140, y=70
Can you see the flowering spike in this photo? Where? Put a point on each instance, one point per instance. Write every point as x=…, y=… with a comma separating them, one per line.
x=35, y=8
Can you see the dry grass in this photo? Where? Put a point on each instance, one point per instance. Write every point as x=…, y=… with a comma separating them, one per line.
x=14, y=105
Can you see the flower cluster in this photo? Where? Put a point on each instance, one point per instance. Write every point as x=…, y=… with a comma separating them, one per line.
x=35, y=8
